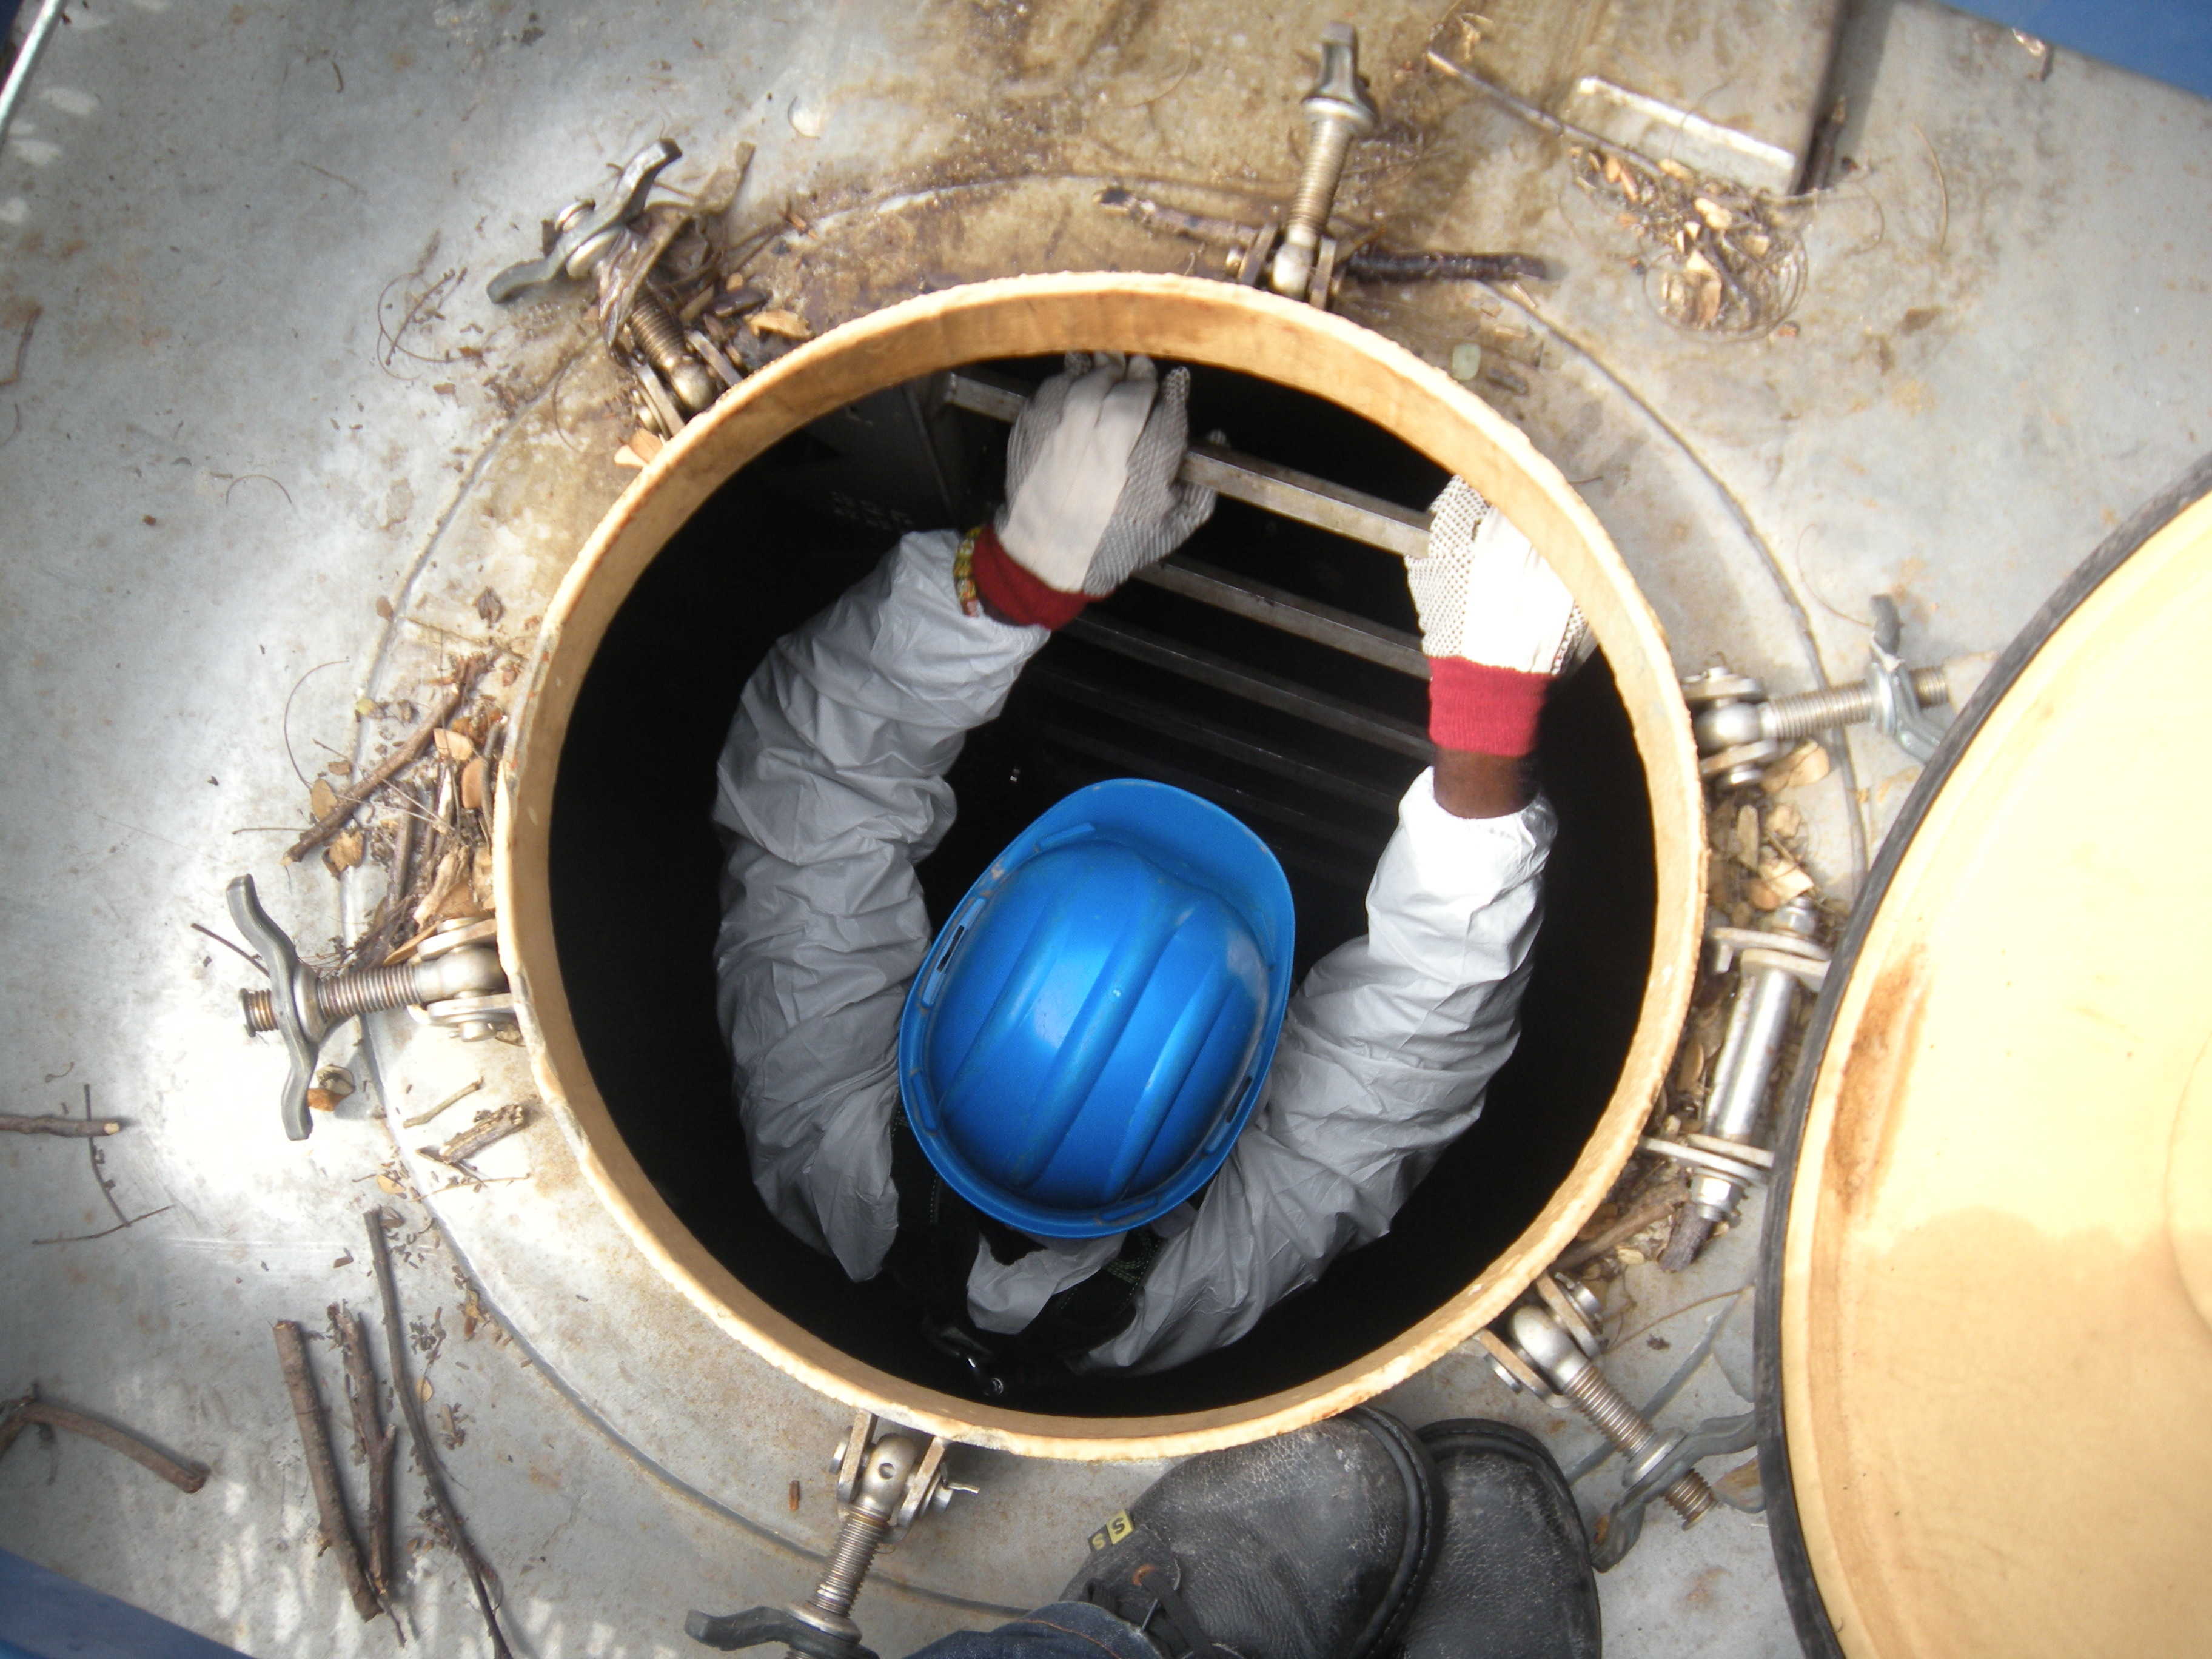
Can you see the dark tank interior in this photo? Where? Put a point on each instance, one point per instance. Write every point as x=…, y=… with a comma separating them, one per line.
x=635, y=858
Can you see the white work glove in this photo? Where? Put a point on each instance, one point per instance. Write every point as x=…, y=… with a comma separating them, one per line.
x=1497, y=625
x=1092, y=493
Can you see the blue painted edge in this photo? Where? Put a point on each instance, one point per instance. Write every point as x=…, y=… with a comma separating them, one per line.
x=44, y=1615
x=2168, y=40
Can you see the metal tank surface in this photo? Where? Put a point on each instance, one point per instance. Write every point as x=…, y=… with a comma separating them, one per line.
x=272, y=460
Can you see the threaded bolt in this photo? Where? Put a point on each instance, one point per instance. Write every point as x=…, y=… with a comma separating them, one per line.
x=344, y=995
x=661, y=339
x=1621, y=1423
x=1545, y=1342
x=1327, y=146
x=1801, y=715
x=1337, y=111
x=858, y=1541
x=340, y=996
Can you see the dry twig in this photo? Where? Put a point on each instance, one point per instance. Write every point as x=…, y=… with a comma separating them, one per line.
x=423, y=1117
x=352, y=797
x=19, y=1415
x=73, y=1127
x=322, y=1468
x=481, y=1577
x=23, y=346
x=373, y=1442
x=487, y=1127
x=230, y=944
x=1656, y=1208
x=107, y=1188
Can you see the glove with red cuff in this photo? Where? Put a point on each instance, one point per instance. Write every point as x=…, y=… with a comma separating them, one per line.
x=1496, y=626
x=1092, y=493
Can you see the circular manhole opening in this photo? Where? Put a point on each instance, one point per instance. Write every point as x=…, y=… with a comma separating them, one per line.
x=768, y=508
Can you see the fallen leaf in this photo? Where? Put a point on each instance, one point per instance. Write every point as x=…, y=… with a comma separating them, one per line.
x=1629, y=1256
x=1707, y=305
x=1756, y=244
x=480, y=881
x=1785, y=876
x=1785, y=822
x=1740, y=1486
x=422, y=1389
x=472, y=785
x=322, y=1100
x=788, y=324
x=443, y=880
x=1674, y=169
x=345, y=1261
x=1614, y=171
x=1808, y=763
x=1762, y=896
x=344, y=852
x=1690, y=1066
x=338, y=769
x=1713, y=213
x=322, y=799
x=388, y=1184
x=384, y=608
x=452, y=745
x=627, y=457
x=1747, y=836
x=365, y=707
x=646, y=445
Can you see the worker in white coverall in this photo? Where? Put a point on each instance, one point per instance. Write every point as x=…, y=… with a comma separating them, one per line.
x=831, y=790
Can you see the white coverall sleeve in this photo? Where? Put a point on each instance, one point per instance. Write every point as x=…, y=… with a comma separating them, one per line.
x=1386, y=1051
x=829, y=790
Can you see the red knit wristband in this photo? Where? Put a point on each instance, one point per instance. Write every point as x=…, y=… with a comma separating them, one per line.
x=1013, y=594
x=1490, y=711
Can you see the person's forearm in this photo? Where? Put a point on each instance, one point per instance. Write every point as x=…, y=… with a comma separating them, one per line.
x=1473, y=786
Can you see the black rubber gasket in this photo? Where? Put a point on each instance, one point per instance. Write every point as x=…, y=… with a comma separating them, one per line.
x=1815, y=1634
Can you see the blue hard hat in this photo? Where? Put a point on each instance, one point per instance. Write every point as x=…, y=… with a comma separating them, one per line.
x=1093, y=1023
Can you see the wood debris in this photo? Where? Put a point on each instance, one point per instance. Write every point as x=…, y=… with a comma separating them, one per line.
x=331, y=1086
x=1806, y=764
x=482, y=1579
x=29, y=1410
x=373, y=1442
x=331, y=819
x=344, y=852
x=423, y=1117
x=1723, y=259
x=322, y=1467
x=74, y=1128
x=785, y=325
x=1780, y=879
x=489, y=1126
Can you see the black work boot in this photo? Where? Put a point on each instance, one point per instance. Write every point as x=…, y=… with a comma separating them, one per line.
x=1513, y=1578
x=1311, y=1545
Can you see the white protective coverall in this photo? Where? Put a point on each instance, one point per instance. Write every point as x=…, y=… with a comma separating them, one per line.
x=831, y=788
